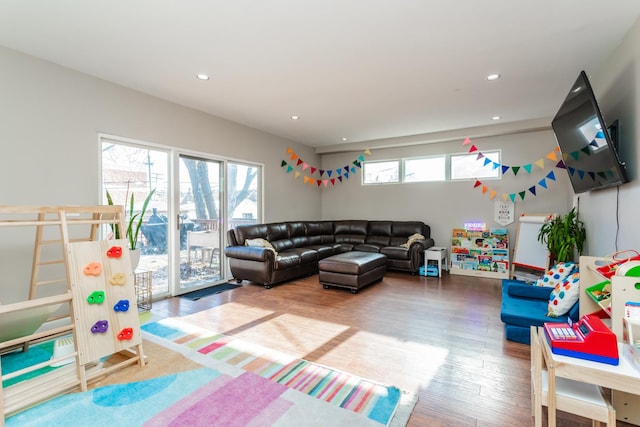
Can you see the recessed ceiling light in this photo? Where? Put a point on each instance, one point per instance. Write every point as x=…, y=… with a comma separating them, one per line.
x=492, y=77
x=202, y=76
x=345, y=138
x=496, y=118
x=295, y=117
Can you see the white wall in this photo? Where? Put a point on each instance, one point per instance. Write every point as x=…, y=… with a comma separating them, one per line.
x=616, y=87
x=50, y=117
x=447, y=205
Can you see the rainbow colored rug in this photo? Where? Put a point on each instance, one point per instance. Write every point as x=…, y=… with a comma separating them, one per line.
x=382, y=404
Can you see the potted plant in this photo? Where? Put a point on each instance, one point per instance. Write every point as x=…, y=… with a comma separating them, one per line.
x=563, y=236
x=133, y=223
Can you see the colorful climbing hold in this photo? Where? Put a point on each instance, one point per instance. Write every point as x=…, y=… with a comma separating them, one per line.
x=122, y=305
x=114, y=252
x=96, y=297
x=100, y=327
x=92, y=269
x=118, y=279
x=125, y=334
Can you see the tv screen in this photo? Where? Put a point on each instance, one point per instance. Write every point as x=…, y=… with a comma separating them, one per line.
x=588, y=150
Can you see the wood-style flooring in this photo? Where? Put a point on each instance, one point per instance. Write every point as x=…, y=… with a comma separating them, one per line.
x=440, y=338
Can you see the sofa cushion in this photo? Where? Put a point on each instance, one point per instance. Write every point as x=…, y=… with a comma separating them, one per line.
x=556, y=274
x=253, y=231
x=564, y=296
x=352, y=231
x=368, y=247
x=520, y=289
x=395, y=252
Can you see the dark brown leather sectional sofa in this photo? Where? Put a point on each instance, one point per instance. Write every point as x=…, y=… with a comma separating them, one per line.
x=299, y=245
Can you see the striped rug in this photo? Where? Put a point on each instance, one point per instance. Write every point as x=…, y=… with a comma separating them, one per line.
x=375, y=401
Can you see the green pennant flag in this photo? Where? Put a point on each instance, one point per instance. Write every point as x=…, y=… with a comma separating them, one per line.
x=586, y=151
x=575, y=154
x=522, y=193
x=515, y=169
x=283, y=163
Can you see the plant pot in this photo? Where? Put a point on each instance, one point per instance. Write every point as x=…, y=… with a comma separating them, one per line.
x=134, y=254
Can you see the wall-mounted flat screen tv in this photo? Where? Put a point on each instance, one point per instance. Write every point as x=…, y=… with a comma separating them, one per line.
x=589, y=152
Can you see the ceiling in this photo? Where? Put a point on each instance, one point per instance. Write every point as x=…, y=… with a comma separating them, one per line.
x=364, y=70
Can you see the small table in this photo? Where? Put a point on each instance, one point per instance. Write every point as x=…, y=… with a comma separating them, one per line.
x=437, y=253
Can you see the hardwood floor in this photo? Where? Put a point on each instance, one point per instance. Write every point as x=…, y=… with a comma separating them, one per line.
x=440, y=338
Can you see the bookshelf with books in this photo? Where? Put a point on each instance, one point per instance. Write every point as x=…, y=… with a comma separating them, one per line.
x=482, y=253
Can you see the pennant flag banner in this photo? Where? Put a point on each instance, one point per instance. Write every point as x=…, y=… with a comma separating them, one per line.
x=340, y=172
x=530, y=191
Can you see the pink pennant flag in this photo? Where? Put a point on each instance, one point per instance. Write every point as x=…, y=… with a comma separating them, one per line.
x=473, y=148
x=305, y=166
x=325, y=182
x=466, y=141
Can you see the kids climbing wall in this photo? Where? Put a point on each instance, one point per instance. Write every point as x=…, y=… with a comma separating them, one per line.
x=104, y=299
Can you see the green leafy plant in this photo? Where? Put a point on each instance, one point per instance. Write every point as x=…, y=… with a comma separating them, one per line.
x=134, y=220
x=563, y=236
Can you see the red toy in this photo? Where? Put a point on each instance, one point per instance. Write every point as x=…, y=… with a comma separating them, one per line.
x=588, y=339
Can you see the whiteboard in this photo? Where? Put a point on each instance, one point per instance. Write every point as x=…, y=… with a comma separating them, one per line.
x=528, y=251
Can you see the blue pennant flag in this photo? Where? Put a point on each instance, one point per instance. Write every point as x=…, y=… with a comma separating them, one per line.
x=504, y=169
x=551, y=176
x=495, y=165
x=329, y=173
x=542, y=183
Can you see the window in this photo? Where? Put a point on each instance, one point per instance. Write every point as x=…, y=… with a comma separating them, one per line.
x=381, y=172
x=468, y=166
x=424, y=169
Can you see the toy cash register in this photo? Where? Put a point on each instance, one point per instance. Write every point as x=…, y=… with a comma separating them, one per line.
x=588, y=339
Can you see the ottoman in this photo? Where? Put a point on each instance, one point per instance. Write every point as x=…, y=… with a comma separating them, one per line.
x=352, y=270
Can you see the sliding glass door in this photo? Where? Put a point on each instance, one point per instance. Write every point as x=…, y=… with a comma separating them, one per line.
x=199, y=223
x=129, y=174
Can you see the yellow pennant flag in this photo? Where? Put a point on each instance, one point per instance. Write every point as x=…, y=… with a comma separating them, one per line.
x=367, y=152
x=539, y=163
x=296, y=175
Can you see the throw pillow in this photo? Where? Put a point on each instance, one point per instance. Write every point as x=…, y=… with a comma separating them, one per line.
x=564, y=296
x=556, y=274
x=260, y=243
x=411, y=239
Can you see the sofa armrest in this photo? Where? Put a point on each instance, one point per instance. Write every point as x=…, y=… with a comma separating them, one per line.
x=522, y=290
x=422, y=244
x=250, y=253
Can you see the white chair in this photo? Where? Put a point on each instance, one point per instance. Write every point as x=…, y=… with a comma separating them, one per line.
x=585, y=400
